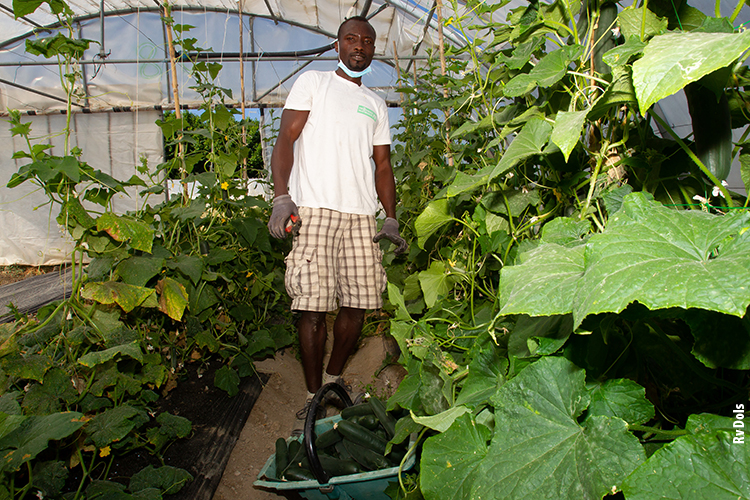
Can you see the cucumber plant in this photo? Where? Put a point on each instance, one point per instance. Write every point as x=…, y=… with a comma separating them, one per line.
x=588, y=250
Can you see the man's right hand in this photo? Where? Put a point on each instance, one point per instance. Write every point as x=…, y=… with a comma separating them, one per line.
x=283, y=209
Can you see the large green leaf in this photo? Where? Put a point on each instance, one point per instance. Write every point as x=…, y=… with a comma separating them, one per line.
x=673, y=60
x=544, y=283
x=110, y=292
x=32, y=436
x=543, y=451
x=450, y=460
x=189, y=265
x=665, y=258
x=529, y=142
x=721, y=341
x=648, y=253
x=486, y=374
x=139, y=234
x=434, y=216
x=704, y=465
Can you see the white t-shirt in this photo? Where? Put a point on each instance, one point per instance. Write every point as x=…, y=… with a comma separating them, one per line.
x=332, y=167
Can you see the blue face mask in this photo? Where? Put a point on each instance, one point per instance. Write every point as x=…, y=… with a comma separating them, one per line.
x=354, y=74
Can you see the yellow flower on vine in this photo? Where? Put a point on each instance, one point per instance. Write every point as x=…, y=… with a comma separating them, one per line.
x=104, y=452
x=224, y=185
x=249, y=273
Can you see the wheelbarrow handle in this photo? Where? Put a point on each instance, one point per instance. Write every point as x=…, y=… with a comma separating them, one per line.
x=309, y=443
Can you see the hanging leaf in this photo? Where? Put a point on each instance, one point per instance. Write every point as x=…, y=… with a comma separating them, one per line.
x=138, y=270
x=673, y=60
x=567, y=131
x=435, y=282
x=703, y=465
x=434, y=216
x=173, y=298
x=189, y=265
x=442, y=421
x=550, y=69
x=137, y=233
x=631, y=20
x=529, y=142
x=110, y=292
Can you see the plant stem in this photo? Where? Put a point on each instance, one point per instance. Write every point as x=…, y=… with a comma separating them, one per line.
x=737, y=10
x=695, y=159
x=659, y=432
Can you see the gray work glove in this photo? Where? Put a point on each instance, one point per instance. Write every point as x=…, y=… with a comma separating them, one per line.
x=390, y=231
x=284, y=210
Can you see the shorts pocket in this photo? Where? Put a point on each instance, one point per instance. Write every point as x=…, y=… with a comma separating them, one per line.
x=301, y=277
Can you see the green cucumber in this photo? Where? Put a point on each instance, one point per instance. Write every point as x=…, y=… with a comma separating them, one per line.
x=295, y=473
x=369, y=422
x=389, y=423
x=342, y=452
x=360, y=435
x=282, y=455
x=366, y=457
x=712, y=127
x=328, y=438
x=356, y=410
x=339, y=467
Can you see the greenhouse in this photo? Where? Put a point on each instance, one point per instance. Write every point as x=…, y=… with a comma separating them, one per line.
x=568, y=319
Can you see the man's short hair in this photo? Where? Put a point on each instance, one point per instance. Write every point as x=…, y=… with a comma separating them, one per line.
x=361, y=19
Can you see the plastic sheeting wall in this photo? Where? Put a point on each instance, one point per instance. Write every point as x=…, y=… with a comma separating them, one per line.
x=111, y=142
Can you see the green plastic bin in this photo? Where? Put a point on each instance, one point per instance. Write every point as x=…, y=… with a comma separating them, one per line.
x=364, y=486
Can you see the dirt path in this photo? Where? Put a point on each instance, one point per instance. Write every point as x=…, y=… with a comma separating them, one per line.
x=273, y=415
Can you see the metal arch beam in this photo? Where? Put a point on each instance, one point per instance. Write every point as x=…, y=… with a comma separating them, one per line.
x=38, y=92
x=10, y=11
x=134, y=10
x=402, y=6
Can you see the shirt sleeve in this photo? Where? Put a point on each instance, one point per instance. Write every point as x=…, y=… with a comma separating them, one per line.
x=300, y=97
x=382, y=133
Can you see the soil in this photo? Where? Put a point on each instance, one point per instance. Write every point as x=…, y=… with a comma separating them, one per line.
x=13, y=273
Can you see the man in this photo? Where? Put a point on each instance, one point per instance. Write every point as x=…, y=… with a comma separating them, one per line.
x=331, y=128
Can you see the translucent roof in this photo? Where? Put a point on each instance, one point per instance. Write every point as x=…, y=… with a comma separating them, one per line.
x=129, y=66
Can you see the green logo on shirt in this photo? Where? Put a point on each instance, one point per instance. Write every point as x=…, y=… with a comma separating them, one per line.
x=367, y=112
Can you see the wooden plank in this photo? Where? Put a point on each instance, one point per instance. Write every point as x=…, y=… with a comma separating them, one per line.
x=32, y=293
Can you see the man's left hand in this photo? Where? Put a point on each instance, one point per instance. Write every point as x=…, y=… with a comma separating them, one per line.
x=390, y=231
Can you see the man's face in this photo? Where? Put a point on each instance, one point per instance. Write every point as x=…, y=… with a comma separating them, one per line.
x=356, y=45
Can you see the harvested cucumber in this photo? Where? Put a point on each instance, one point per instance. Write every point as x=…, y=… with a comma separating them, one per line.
x=295, y=473
x=356, y=410
x=342, y=452
x=366, y=457
x=282, y=455
x=369, y=422
x=328, y=438
x=360, y=435
x=339, y=467
x=389, y=423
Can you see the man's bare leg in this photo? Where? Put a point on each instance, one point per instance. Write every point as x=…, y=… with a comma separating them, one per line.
x=346, y=332
x=312, y=340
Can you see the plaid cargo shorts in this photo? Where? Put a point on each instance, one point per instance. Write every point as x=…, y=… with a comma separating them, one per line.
x=334, y=258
